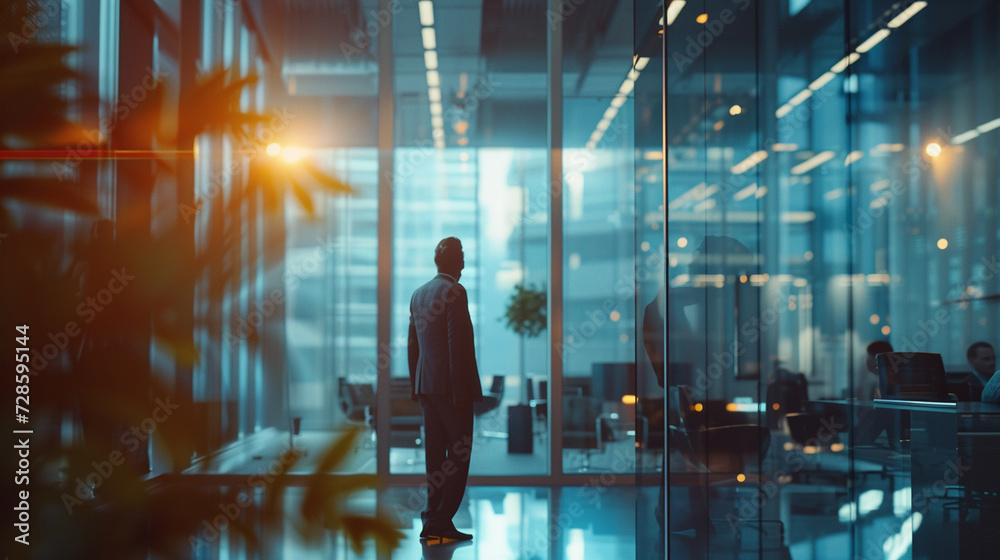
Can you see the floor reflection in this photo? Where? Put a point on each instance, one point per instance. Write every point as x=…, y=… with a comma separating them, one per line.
x=527, y=523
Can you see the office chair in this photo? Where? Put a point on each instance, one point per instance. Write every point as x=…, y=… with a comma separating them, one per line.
x=491, y=404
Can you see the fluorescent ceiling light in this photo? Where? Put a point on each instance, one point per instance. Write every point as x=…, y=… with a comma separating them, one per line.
x=434, y=94
x=761, y=191
x=873, y=40
x=783, y=110
x=745, y=192
x=610, y=113
x=438, y=134
x=439, y=144
x=641, y=63
x=749, y=163
x=984, y=128
x=627, y=86
x=437, y=122
x=800, y=97
x=890, y=147
x=843, y=63
x=673, y=10
x=907, y=14
x=822, y=81
x=779, y=147
x=618, y=101
x=433, y=78
x=965, y=137
x=436, y=109
x=429, y=38
x=853, y=157
x=426, y=12
x=813, y=162
x=431, y=60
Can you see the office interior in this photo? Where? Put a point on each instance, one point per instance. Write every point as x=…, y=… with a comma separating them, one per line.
x=683, y=222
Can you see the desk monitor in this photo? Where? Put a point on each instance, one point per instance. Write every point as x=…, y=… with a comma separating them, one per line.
x=913, y=376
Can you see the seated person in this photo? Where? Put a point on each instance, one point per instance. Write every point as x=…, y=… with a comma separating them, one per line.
x=877, y=347
x=991, y=393
x=982, y=358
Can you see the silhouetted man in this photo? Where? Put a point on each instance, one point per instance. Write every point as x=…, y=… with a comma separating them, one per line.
x=445, y=379
x=983, y=360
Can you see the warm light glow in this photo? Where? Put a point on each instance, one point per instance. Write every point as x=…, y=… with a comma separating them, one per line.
x=874, y=319
x=698, y=407
x=741, y=477
x=886, y=329
x=293, y=154
x=942, y=244
x=837, y=447
x=461, y=127
x=933, y=149
x=682, y=242
x=615, y=316
x=732, y=407
x=743, y=279
x=735, y=110
x=776, y=406
x=718, y=126
x=273, y=149
x=702, y=18
x=463, y=141
x=628, y=399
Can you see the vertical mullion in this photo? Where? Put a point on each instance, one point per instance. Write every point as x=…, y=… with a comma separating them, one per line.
x=555, y=299
x=385, y=247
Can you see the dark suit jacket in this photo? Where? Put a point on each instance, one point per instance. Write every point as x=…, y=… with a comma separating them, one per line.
x=442, y=352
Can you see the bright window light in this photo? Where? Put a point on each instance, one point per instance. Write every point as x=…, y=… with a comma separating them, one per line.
x=875, y=39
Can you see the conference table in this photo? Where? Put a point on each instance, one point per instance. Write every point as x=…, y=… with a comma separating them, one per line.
x=954, y=463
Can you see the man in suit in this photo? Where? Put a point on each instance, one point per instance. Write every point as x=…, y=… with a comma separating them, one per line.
x=444, y=378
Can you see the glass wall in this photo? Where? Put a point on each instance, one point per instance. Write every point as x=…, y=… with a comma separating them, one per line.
x=827, y=188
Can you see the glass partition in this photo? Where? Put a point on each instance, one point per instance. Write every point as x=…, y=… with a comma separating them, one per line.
x=470, y=162
x=826, y=189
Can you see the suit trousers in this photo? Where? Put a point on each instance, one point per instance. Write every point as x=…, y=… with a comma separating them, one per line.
x=448, y=449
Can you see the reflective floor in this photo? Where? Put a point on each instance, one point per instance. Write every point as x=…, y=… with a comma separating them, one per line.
x=580, y=523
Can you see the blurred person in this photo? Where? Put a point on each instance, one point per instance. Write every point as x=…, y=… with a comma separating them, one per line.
x=875, y=348
x=444, y=378
x=983, y=360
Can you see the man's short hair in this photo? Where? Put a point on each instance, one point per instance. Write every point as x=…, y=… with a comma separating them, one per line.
x=879, y=347
x=448, y=253
x=974, y=349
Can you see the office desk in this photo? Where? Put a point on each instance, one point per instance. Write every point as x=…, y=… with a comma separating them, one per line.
x=955, y=493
